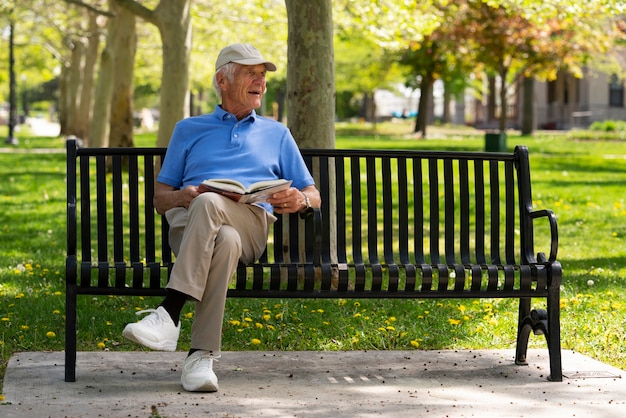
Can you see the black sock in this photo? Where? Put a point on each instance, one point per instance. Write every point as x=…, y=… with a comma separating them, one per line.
x=173, y=304
x=193, y=350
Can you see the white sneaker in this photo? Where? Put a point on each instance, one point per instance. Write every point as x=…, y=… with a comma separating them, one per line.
x=156, y=331
x=198, y=375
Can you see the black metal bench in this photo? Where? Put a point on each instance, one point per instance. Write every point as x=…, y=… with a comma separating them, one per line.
x=396, y=224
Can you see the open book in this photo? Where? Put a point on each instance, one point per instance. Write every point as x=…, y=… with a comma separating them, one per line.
x=256, y=192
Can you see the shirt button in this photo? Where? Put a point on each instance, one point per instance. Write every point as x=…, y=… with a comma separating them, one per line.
x=236, y=136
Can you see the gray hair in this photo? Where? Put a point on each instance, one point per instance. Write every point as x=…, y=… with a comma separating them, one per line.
x=228, y=70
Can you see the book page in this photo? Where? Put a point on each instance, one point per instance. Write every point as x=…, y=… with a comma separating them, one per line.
x=261, y=195
x=257, y=192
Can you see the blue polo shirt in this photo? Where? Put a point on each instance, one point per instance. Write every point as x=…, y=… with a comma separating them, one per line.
x=217, y=145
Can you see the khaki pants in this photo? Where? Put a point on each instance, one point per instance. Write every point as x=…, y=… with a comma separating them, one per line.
x=209, y=239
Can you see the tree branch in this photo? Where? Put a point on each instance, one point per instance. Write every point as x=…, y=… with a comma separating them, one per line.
x=90, y=8
x=139, y=10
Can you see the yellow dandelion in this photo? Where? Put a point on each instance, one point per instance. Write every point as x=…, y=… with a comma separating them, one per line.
x=357, y=315
x=189, y=315
x=266, y=317
x=278, y=316
x=19, y=296
x=258, y=325
x=382, y=329
x=234, y=322
x=247, y=319
x=255, y=341
x=271, y=327
x=320, y=311
x=357, y=304
x=453, y=321
x=50, y=334
x=57, y=293
x=342, y=302
x=56, y=312
x=5, y=319
x=415, y=343
x=101, y=345
x=390, y=328
x=392, y=319
x=24, y=327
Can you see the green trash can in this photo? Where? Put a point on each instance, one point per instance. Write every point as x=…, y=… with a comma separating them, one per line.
x=495, y=142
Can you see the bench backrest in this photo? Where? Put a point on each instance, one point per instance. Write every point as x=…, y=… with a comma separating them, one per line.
x=393, y=221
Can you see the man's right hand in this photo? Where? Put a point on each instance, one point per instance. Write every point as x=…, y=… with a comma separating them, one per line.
x=167, y=197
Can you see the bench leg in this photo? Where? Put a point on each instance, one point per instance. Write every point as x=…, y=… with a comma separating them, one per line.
x=524, y=327
x=70, y=334
x=541, y=322
x=554, y=336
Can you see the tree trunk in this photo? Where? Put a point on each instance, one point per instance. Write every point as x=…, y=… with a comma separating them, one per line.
x=122, y=123
x=503, y=103
x=173, y=18
x=491, y=100
x=311, y=84
x=99, y=129
x=528, y=114
x=421, y=120
x=63, y=99
x=310, y=73
x=174, y=23
x=74, y=81
x=83, y=111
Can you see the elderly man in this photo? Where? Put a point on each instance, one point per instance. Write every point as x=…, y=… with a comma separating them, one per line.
x=210, y=233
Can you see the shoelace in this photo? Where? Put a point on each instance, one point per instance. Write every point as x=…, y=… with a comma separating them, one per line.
x=204, y=360
x=151, y=319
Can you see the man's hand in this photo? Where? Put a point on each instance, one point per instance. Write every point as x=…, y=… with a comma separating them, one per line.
x=293, y=200
x=167, y=197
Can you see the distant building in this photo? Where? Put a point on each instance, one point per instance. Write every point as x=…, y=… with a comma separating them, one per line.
x=569, y=102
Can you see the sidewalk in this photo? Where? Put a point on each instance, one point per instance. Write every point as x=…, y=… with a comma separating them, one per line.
x=471, y=383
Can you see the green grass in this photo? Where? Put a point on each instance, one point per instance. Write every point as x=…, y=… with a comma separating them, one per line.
x=581, y=177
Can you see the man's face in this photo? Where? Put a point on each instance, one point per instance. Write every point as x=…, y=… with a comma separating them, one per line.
x=246, y=90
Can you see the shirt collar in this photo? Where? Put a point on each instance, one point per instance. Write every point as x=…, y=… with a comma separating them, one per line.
x=224, y=115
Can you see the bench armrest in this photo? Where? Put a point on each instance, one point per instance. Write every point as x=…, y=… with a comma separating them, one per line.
x=554, y=233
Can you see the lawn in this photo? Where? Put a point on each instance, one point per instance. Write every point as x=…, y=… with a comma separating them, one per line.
x=582, y=180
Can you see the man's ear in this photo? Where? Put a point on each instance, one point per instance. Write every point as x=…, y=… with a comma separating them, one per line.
x=221, y=81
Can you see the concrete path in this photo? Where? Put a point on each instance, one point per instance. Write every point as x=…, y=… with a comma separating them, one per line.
x=472, y=383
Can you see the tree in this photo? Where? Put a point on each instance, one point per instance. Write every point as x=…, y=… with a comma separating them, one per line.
x=310, y=73
x=173, y=19
x=121, y=113
x=99, y=127
x=85, y=99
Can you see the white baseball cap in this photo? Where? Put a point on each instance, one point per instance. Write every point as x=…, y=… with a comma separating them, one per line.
x=244, y=54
